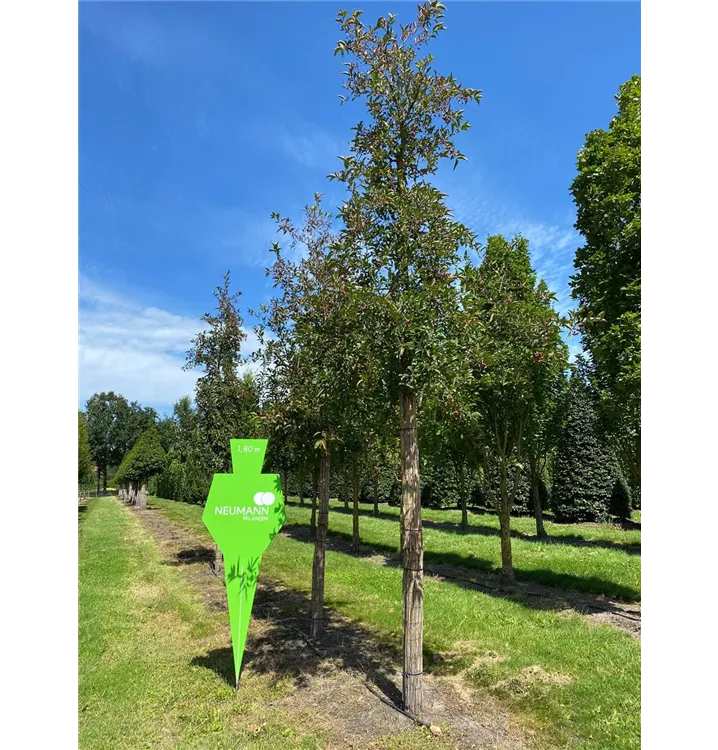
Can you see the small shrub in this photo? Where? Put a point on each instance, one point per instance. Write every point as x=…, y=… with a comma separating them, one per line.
x=620, y=503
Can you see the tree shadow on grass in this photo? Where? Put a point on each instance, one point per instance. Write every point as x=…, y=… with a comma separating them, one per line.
x=279, y=645
x=631, y=548
x=195, y=555
x=551, y=590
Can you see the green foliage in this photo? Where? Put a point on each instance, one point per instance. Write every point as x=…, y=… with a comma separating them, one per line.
x=226, y=403
x=440, y=487
x=516, y=358
x=84, y=460
x=167, y=429
x=620, y=502
x=171, y=482
x=544, y=493
x=389, y=486
x=188, y=470
x=583, y=476
x=100, y=410
x=114, y=426
x=309, y=363
x=490, y=487
x=146, y=458
x=398, y=236
x=607, y=284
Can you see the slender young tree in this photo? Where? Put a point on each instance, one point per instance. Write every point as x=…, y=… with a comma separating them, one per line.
x=514, y=353
x=454, y=437
x=227, y=402
x=102, y=414
x=404, y=245
x=545, y=423
x=381, y=450
x=307, y=357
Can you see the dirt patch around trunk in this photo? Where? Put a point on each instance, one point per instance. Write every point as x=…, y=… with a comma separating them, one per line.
x=339, y=682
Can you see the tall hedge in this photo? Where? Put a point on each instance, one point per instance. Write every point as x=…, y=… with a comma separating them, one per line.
x=583, y=478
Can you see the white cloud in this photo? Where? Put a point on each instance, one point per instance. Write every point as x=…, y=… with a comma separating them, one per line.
x=247, y=236
x=312, y=149
x=306, y=143
x=135, y=350
x=552, y=244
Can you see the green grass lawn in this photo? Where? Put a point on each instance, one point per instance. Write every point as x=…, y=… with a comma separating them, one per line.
x=140, y=629
x=576, y=684
x=520, y=525
x=578, y=558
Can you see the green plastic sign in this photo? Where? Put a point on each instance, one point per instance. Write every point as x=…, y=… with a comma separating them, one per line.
x=244, y=512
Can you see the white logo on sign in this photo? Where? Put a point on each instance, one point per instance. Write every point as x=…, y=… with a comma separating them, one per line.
x=264, y=498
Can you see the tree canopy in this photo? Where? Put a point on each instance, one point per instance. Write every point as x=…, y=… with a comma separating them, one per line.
x=146, y=458
x=226, y=401
x=607, y=283
x=84, y=460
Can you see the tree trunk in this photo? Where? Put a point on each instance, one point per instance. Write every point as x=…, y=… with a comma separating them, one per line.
x=538, y=513
x=313, y=521
x=462, y=489
x=142, y=496
x=301, y=490
x=345, y=488
x=98, y=481
x=376, y=491
x=507, y=566
x=355, y=505
x=286, y=484
x=413, y=558
x=317, y=605
x=104, y=480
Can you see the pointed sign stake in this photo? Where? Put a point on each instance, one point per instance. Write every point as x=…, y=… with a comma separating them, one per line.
x=244, y=512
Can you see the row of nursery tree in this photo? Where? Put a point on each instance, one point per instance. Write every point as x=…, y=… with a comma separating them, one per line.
x=403, y=361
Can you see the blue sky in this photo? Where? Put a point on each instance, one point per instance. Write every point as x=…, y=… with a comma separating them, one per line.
x=197, y=120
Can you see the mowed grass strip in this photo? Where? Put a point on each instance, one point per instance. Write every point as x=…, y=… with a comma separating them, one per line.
x=141, y=628
x=526, y=525
x=603, y=561
x=576, y=684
